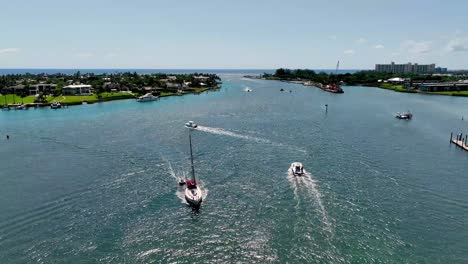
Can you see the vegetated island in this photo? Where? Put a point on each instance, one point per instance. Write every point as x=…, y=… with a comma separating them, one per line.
x=71, y=89
x=452, y=83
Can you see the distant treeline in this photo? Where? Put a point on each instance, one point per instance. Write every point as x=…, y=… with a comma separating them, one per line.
x=360, y=77
x=106, y=82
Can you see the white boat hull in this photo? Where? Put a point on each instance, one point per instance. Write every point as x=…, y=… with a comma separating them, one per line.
x=147, y=99
x=193, y=196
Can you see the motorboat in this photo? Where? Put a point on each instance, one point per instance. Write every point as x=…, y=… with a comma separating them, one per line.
x=181, y=181
x=296, y=169
x=191, y=124
x=405, y=116
x=282, y=90
x=193, y=193
x=21, y=107
x=55, y=105
x=247, y=89
x=147, y=98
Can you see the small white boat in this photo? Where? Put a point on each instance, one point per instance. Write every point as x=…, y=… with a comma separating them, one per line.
x=191, y=124
x=247, y=89
x=296, y=169
x=55, y=105
x=193, y=193
x=406, y=116
x=21, y=107
x=147, y=97
x=181, y=181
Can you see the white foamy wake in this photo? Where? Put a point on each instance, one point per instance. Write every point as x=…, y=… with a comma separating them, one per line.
x=309, y=184
x=220, y=131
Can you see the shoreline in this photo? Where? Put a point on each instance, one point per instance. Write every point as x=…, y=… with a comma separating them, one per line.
x=121, y=96
x=395, y=88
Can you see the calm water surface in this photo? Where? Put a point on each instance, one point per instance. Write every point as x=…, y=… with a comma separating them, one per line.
x=96, y=183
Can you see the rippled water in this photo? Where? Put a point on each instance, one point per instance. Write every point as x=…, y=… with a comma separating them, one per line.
x=97, y=183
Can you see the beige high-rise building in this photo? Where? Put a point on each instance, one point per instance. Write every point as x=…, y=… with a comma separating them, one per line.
x=405, y=68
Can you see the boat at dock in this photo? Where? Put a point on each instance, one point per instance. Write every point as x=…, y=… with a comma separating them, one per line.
x=405, y=115
x=21, y=107
x=296, y=169
x=147, y=98
x=55, y=105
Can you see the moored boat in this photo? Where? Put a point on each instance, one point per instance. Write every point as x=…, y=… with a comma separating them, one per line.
x=55, y=105
x=147, y=98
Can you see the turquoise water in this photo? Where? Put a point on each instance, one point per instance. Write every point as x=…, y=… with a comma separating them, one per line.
x=96, y=183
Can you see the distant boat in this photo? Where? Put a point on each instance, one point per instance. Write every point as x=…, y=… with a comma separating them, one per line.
x=182, y=181
x=55, y=105
x=193, y=193
x=247, y=89
x=191, y=124
x=21, y=107
x=281, y=89
x=405, y=116
x=147, y=97
x=296, y=169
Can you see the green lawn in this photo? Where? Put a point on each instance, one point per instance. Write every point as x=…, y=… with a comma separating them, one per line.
x=400, y=88
x=67, y=99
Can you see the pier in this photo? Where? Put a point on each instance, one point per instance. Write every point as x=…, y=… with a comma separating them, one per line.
x=460, y=141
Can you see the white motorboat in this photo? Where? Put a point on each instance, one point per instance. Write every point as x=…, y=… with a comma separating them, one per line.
x=21, y=107
x=147, y=97
x=191, y=124
x=55, y=105
x=193, y=193
x=406, y=116
x=181, y=181
x=247, y=89
x=296, y=169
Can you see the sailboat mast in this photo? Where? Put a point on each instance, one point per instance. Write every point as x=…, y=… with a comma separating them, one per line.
x=191, y=155
x=337, y=66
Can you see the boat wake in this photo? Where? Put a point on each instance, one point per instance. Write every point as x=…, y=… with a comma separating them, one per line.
x=310, y=187
x=220, y=131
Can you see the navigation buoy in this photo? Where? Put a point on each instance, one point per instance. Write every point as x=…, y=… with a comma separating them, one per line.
x=326, y=107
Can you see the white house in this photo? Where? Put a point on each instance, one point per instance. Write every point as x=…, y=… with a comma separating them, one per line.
x=77, y=89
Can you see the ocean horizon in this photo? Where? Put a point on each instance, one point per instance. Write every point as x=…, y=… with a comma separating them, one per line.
x=7, y=71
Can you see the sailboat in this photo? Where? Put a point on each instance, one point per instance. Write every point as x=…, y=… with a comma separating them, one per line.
x=193, y=193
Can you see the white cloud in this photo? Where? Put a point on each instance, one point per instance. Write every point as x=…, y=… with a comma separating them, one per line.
x=333, y=37
x=361, y=41
x=379, y=46
x=395, y=53
x=9, y=50
x=84, y=55
x=458, y=45
x=417, y=47
x=349, y=52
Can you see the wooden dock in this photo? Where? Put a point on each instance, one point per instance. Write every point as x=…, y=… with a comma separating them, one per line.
x=460, y=141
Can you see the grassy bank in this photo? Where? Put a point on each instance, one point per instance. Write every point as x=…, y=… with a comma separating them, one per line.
x=78, y=99
x=396, y=88
x=400, y=88
x=66, y=99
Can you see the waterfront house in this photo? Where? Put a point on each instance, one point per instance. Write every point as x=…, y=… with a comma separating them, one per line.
x=77, y=89
x=42, y=88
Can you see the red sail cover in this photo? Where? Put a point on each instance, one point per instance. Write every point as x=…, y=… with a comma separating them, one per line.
x=191, y=183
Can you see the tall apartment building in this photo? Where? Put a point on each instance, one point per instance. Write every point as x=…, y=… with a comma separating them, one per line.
x=405, y=68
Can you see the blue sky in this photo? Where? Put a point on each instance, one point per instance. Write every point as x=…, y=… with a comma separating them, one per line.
x=232, y=34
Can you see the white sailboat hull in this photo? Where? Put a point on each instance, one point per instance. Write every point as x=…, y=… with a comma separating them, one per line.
x=193, y=196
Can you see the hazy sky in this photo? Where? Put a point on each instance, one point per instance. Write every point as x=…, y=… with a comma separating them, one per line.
x=231, y=34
